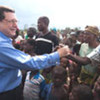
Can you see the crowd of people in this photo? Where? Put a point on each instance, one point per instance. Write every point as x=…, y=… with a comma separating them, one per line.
x=44, y=65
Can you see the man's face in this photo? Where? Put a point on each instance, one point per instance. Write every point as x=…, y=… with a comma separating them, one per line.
x=41, y=25
x=9, y=24
x=88, y=37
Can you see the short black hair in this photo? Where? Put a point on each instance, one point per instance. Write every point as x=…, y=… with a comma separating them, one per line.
x=83, y=92
x=59, y=69
x=31, y=42
x=32, y=29
x=45, y=20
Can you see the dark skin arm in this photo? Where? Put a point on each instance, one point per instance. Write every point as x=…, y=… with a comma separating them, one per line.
x=78, y=59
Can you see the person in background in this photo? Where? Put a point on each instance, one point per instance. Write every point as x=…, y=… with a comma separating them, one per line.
x=56, y=90
x=54, y=30
x=18, y=37
x=81, y=92
x=88, y=71
x=96, y=89
x=15, y=43
x=31, y=33
x=28, y=46
x=80, y=40
x=12, y=60
x=33, y=81
x=46, y=41
x=47, y=74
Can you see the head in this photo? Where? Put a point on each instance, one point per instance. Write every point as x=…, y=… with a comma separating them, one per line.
x=74, y=71
x=29, y=47
x=80, y=36
x=16, y=45
x=59, y=76
x=58, y=94
x=73, y=35
x=64, y=62
x=96, y=88
x=43, y=23
x=8, y=21
x=91, y=33
x=54, y=30
x=81, y=92
x=31, y=32
x=69, y=42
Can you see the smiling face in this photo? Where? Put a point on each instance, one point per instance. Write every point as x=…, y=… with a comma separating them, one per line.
x=8, y=25
x=89, y=37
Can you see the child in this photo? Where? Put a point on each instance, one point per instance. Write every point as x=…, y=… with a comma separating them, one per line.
x=47, y=74
x=81, y=92
x=56, y=90
x=27, y=46
x=34, y=82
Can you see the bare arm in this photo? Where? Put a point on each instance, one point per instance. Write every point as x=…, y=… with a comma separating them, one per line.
x=78, y=59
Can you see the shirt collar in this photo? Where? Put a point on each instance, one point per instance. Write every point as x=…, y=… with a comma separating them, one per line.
x=4, y=37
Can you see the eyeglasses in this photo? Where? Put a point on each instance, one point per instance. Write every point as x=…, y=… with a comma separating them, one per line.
x=11, y=21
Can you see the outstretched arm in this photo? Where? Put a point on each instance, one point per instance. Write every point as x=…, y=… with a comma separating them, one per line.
x=78, y=59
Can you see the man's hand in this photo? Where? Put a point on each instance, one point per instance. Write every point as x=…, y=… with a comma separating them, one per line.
x=63, y=51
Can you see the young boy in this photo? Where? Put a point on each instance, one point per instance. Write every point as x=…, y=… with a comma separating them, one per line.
x=34, y=82
x=81, y=92
x=56, y=90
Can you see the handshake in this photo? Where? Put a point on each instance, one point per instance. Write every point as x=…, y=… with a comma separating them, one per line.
x=63, y=51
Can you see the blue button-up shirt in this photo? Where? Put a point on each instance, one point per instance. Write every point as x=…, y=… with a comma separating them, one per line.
x=12, y=60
